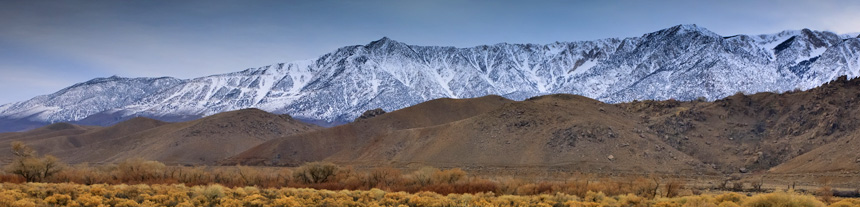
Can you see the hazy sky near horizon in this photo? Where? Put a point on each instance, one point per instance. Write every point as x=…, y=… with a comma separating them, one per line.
x=46, y=45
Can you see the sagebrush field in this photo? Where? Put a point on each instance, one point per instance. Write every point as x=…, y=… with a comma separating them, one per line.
x=66, y=194
x=32, y=180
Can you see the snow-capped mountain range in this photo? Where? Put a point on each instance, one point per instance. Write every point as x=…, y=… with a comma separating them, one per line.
x=682, y=62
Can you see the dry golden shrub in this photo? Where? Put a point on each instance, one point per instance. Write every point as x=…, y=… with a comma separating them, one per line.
x=848, y=202
x=782, y=199
x=385, y=177
x=449, y=176
x=42, y=194
x=729, y=204
x=137, y=170
x=730, y=197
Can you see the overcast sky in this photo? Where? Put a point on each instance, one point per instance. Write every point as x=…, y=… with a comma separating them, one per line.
x=48, y=45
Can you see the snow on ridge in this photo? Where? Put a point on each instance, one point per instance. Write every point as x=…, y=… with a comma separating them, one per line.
x=694, y=28
x=391, y=75
x=850, y=35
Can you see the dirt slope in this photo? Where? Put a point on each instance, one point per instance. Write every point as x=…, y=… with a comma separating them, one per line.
x=558, y=131
x=317, y=145
x=45, y=139
x=741, y=133
x=197, y=142
x=755, y=132
x=53, y=130
x=839, y=156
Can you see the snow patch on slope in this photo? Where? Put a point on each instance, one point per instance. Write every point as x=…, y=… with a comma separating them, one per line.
x=683, y=62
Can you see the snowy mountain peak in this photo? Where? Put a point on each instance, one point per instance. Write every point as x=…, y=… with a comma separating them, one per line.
x=820, y=39
x=103, y=79
x=384, y=39
x=685, y=29
x=383, y=42
x=683, y=62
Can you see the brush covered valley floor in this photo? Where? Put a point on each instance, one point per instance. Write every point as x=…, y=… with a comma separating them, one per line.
x=41, y=194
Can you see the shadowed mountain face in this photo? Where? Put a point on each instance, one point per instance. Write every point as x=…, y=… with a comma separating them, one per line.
x=197, y=142
x=684, y=62
x=568, y=132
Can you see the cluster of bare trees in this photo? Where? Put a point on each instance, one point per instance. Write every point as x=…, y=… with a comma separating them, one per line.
x=28, y=164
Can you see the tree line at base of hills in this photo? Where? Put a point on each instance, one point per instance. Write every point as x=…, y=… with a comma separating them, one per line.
x=28, y=166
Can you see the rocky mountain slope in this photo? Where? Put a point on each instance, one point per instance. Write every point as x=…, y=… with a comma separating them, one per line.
x=806, y=131
x=811, y=131
x=684, y=62
x=567, y=133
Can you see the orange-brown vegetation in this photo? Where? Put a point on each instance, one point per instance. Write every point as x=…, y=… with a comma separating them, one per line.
x=332, y=177
x=30, y=166
x=67, y=194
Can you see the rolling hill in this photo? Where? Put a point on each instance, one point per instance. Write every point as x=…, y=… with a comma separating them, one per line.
x=198, y=142
x=811, y=131
x=741, y=133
